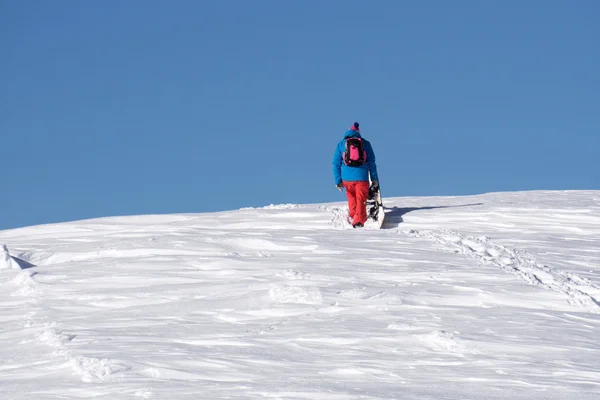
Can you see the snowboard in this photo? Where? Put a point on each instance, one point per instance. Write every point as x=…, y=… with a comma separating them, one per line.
x=375, y=211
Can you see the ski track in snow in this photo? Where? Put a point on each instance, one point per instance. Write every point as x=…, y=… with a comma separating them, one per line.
x=579, y=291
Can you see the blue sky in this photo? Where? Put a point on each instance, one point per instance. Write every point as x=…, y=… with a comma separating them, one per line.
x=137, y=107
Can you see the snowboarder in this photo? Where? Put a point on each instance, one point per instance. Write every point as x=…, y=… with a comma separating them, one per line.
x=353, y=163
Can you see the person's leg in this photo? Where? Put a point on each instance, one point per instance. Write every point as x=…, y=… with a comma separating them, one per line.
x=361, y=194
x=351, y=194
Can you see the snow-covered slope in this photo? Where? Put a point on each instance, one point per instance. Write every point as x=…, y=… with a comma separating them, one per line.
x=482, y=297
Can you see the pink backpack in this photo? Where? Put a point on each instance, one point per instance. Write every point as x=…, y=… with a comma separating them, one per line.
x=355, y=154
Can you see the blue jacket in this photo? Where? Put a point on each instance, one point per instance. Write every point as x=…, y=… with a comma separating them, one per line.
x=343, y=172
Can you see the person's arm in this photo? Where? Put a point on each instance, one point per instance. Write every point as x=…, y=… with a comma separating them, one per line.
x=337, y=166
x=371, y=162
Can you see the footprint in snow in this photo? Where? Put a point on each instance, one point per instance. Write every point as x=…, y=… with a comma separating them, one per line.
x=293, y=274
x=579, y=291
x=296, y=294
x=446, y=342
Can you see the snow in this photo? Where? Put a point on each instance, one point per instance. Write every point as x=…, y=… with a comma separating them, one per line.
x=7, y=261
x=495, y=296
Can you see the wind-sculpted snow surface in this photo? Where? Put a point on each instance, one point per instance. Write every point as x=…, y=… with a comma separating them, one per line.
x=480, y=297
x=579, y=291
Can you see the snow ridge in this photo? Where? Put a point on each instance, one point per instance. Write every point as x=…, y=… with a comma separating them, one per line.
x=580, y=291
x=6, y=261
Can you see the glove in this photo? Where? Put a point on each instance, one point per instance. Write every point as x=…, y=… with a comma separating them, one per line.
x=340, y=186
x=375, y=185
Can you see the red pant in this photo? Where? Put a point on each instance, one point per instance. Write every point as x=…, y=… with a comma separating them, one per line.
x=358, y=193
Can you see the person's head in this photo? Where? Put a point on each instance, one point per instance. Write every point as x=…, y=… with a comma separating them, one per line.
x=355, y=127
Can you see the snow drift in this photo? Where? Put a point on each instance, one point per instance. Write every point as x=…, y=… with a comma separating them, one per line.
x=476, y=297
x=7, y=261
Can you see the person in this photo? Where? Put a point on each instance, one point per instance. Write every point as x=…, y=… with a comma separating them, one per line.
x=353, y=163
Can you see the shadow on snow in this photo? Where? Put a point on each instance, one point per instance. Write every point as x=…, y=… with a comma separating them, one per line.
x=22, y=263
x=393, y=215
